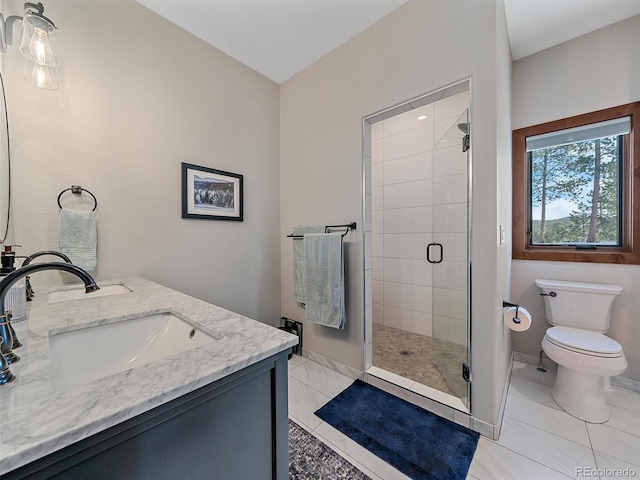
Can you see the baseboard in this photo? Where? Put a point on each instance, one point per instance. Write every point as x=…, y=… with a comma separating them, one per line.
x=332, y=364
x=503, y=401
x=626, y=383
x=483, y=428
x=619, y=381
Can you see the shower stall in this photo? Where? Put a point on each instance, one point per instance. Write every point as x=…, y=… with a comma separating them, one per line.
x=417, y=261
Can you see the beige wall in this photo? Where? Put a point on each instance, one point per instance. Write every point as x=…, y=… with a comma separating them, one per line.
x=592, y=72
x=420, y=47
x=140, y=95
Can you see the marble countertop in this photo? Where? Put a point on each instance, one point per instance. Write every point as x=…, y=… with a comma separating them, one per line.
x=36, y=419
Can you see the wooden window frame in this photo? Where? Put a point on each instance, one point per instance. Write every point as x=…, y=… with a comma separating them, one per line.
x=629, y=252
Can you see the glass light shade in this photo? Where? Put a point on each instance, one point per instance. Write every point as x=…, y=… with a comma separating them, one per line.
x=38, y=40
x=41, y=76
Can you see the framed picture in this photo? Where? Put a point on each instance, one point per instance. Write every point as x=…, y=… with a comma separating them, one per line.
x=211, y=194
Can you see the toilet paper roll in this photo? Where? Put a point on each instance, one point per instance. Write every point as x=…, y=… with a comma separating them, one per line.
x=522, y=323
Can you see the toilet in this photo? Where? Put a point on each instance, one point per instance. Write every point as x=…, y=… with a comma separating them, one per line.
x=579, y=314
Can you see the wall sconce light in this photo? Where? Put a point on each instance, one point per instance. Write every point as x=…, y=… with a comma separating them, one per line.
x=40, y=75
x=38, y=44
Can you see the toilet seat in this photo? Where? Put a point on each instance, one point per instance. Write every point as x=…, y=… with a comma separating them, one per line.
x=584, y=342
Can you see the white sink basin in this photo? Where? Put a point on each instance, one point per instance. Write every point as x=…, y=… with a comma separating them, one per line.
x=90, y=353
x=77, y=293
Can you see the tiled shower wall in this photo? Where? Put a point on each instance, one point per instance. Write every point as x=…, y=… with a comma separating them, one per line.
x=419, y=195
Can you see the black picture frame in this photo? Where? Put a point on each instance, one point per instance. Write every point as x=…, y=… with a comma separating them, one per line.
x=211, y=194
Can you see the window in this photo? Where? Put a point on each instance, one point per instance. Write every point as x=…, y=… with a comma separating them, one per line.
x=575, y=197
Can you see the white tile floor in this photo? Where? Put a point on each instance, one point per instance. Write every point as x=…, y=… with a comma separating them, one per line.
x=538, y=440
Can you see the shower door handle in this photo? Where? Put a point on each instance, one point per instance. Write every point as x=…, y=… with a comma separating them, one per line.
x=429, y=252
x=434, y=244
x=441, y=253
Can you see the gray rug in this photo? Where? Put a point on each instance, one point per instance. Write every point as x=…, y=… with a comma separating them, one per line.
x=310, y=459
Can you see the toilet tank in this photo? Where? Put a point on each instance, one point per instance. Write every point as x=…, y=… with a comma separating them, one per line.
x=578, y=305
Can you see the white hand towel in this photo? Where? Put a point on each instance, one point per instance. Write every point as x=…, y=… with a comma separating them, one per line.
x=78, y=237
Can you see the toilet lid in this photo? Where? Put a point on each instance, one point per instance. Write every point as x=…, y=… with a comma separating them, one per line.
x=590, y=343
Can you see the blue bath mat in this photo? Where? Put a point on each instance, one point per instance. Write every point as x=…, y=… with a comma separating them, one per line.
x=420, y=444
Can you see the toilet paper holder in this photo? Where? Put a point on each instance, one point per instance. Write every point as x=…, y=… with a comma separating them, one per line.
x=509, y=304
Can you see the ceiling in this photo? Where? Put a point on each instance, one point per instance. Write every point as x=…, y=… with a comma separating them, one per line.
x=535, y=25
x=280, y=38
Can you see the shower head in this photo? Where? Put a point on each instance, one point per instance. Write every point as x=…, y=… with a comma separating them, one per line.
x=464, y=127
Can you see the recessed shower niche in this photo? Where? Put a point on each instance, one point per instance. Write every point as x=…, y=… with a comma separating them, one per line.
x=417, y=260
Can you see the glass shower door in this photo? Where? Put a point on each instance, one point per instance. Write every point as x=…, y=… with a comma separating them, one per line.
x=449, y=254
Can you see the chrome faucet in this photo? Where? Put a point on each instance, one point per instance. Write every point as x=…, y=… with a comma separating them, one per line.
x=7, y=339
x=30, y=258
x=7, y=333
x=5, y=374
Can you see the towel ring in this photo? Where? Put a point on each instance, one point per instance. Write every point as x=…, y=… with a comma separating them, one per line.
x=77, y=189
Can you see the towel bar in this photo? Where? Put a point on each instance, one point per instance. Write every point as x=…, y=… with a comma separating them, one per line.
x=348, y=226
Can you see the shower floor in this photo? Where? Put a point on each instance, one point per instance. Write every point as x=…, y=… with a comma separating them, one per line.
x=411, y=355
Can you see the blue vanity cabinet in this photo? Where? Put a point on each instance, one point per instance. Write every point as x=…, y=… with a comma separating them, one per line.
x=232, y=429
